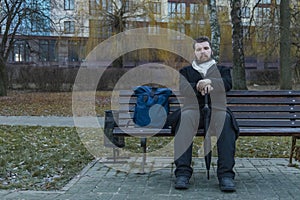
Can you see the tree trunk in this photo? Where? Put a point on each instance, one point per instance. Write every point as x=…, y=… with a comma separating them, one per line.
x=285, y=46
x=3, y=79
x=239, y=76
x=215, y=28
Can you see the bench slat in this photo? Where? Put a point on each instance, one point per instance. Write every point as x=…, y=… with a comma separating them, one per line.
x=131, y=92
x=261, y=115
x=264, y=101
x=254, y=123
x=239, y=93
x=263, y=93
x=144, y=132
x=268, y=123
x=254, y=109
x=130, y=108
x=132, y=100
x=288, y=116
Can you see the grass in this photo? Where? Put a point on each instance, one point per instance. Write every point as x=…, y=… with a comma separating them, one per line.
x=18, y=103
x=46, y=158
x=40, y=158
x=254, y=147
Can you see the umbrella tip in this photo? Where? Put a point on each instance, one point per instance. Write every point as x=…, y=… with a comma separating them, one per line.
x=207, y=174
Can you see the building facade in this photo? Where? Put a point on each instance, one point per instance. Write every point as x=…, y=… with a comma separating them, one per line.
x=79, y=25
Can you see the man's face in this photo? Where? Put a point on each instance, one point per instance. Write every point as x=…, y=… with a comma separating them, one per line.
x=203, y=52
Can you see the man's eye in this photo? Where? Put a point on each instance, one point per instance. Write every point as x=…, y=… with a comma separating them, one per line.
x=206, y=48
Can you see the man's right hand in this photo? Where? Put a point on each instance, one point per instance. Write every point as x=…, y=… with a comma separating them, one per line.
x=204, y=85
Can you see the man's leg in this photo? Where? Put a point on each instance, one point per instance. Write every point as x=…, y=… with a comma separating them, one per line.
x=226, y=153
x=185, y=132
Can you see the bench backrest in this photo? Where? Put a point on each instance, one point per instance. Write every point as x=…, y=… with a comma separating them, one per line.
x=253, y=109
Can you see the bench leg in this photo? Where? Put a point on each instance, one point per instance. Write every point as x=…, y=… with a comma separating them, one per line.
x=112, y=141
x=292, y=151
x=144, y=146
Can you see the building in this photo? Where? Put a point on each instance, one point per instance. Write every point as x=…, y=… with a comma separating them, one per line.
x=79, y=25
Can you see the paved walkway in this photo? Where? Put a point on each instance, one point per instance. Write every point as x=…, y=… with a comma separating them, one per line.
x=46, y=121
x=255, y=179
x=258, y=179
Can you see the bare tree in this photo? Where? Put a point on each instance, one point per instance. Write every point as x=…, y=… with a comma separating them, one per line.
x=239, y=77
x=215, y=28
x=295, y=38
x=285, y=46
x=279, y=29
x=19, y=17
x=114, y=16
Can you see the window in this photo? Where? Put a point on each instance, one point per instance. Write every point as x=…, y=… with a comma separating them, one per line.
x=198, y=13
x=263, y=1
x=76, y=50
x=195, y=10
x=73, y=51
x=176, y=9
x=69, y=5
x=69, y=27
x=20, y=52
x=155, y=7
x=47, y=50
x=246, y=12
x=261, y=12
x=266, y=1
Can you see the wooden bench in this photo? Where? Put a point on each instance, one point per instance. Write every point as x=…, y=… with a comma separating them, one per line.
x=259, y=113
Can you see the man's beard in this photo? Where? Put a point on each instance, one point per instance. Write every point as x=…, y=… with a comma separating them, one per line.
x=198, y=61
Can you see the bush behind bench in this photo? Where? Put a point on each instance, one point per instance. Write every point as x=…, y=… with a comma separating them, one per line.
x=56, y=78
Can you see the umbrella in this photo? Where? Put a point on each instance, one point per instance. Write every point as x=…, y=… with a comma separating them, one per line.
x=207, y=141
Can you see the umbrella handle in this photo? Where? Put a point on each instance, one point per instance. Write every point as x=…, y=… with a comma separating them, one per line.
x=206, y=96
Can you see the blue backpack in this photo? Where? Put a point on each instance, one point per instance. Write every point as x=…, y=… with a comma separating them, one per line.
x=152, y=106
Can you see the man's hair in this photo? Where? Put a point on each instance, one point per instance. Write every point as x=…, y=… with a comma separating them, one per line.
x=202, y=39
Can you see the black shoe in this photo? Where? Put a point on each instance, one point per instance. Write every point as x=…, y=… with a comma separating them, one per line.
x=226, y=184
x=182, y=183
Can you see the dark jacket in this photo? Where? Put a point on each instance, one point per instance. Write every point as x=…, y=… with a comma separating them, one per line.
x=221, y=82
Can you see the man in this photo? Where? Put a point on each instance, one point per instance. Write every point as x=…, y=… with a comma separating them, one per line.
x=204, y=76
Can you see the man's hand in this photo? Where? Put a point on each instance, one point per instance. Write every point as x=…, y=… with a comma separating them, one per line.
x=207, y=89
x=204, y=85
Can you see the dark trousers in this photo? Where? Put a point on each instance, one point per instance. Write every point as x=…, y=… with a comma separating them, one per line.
x=183, y=145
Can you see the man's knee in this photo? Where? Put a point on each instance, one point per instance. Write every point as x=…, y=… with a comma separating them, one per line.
x=189, y=121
